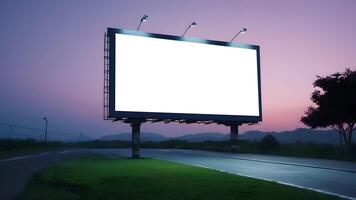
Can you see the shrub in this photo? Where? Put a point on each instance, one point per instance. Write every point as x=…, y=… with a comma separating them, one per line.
x=268, y=143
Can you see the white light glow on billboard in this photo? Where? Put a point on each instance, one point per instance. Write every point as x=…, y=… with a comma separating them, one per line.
x=168, y=76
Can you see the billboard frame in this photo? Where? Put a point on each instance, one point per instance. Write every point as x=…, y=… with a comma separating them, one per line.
x=182, y=117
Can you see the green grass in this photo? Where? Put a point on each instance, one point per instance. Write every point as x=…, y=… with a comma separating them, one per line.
x=26, y=151
x=20, y=152
x=20, y=147
x=309, y=150
x=15, y=147
x=102, y=178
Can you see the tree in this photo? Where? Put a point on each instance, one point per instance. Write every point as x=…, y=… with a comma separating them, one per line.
x=268, y=143
x=335, y=100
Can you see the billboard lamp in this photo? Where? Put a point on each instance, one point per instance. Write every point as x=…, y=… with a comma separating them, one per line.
x=242, y=31
x=193, y=24
x=143, y=19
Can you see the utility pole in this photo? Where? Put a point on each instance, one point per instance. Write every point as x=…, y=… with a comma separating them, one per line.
x=46, y=128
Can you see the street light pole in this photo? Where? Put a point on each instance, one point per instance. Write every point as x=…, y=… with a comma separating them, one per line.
x=46, y=128
x=242, y=31
x=190, y=26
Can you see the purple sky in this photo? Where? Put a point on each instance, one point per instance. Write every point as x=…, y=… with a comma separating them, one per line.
x=51, y=54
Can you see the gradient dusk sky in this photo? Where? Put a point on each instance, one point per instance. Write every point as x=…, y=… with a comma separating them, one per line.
x=51, y=54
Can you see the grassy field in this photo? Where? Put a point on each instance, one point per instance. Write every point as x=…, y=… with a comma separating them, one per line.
x=20, y=147
x=20, y=152
x=322, y=151
x=103, y=178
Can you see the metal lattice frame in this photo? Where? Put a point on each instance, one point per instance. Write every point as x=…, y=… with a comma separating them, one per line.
x=106, y=77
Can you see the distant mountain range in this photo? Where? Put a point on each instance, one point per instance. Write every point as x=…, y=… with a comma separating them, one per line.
x=51, y=137
x=146, y=136
x=200, y=137
x=127, y=137
x=301, y=135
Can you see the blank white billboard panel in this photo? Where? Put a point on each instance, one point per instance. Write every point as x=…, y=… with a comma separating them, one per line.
x=171, y=76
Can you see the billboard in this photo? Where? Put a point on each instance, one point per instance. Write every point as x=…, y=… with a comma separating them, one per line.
x=155, y=76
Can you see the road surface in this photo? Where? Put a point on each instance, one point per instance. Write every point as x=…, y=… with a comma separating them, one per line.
x=16, y=172
x=332, y=177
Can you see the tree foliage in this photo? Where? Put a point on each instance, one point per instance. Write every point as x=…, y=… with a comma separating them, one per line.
x=268, y=143
x=335, y=100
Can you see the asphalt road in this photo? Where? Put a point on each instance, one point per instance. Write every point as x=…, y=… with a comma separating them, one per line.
x=16, y=172
x=332, y=177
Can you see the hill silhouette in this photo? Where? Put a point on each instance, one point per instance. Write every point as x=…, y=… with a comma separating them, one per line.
x=145, y=136
x=302, y=135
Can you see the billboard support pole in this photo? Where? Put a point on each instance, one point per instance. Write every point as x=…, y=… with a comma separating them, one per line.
x=234, y=133
x=135, y=125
